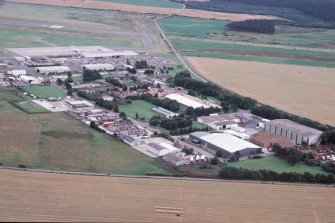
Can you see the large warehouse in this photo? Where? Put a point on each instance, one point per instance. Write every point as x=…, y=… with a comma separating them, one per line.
x=186, y=101
x=98, y=67
x=52, y=70
x=113, y=54
x=226, y=143
x=299, y=134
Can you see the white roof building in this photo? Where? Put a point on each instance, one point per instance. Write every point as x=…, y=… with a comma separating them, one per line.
x=29, y=79
x=190, y=101
x=18, y=72
x=52, y=69
x=224, y=142
x=109, y=54
x=98, y=67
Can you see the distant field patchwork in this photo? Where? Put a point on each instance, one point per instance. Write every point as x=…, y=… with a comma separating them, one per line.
x=302, y=90
x=156, y=3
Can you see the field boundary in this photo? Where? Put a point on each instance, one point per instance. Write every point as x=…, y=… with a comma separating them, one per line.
x=161, y=177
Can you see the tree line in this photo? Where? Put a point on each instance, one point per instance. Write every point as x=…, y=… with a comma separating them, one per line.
x=99, y=101
x=197, y=112
x=253, y=25
x=227, y=98
x=293, y=156
x=268, y=175
x=170, y=123
x=91, y=75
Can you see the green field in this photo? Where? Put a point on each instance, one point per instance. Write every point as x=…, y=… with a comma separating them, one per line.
x=57, y=141
x=185, y=26
x=153, y=3
x=10, y=94
x=277, y=165
x=21, y=37
x=45, y=91
x=142, y=108
x=29, y=107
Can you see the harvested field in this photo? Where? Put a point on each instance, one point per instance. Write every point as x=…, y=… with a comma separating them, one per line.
x=302, y=90
x=91, y=4
x=33, y=196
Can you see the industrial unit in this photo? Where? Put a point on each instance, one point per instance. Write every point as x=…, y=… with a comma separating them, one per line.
x=299, y=134
x=161, y=149
x=113, y=54
x=98, y=67
x=165, y=112
x=186, y=101
x=226, y=143
x=52, y=70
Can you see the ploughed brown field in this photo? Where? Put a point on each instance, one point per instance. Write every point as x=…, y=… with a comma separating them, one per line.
x=92, y=4
x=302, y=90
x=34, y=196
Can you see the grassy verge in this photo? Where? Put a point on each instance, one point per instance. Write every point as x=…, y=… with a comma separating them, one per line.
x=142, y=108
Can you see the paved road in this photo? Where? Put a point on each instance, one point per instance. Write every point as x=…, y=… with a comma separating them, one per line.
x=184, y=63
x=143, y=36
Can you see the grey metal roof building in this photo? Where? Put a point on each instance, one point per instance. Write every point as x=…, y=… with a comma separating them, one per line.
x=296, y=132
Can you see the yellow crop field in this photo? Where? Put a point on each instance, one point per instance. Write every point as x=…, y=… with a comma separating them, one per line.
x=36, y=196
x=302, y=90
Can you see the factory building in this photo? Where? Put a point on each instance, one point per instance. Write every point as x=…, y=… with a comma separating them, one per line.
x=98, y=67
x=186, y=101
x=112, y=54
x=166, y=113
x=299, y=134
x=226, y=143
x=17, y=73
x=29, y=79
x=52, y=70
x=161, y=149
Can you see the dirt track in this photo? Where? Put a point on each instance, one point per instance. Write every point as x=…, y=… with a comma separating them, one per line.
x=302, y=90
x=91, y=4
x=32, y=196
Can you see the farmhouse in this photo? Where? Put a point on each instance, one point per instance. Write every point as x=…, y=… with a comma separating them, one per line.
x=98, y=67
x=226, y=143
x=186, y=101
x=52, y=70
x=164, y=112
x=299, y=134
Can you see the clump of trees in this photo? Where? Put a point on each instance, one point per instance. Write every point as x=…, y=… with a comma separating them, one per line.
x=329, y=167
x=142, y=64
x=328, y=137
x=183, y=131
x=268, y=175
x=149, y=72
x=97, y=99
x=292, y=155
x=91, y=75
x=114, y=82
x=196, y=112
x=170, y=123
x=253, y=25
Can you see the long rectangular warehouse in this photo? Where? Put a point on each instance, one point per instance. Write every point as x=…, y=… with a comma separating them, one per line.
x=99, y=67
x=296, y=132
x=226, y=143
x=189, y=101
x=109, y=54
x=52, y=70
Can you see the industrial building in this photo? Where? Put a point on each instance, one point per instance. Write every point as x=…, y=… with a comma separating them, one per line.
x=161, y=149
x=268, y=139
x=98, y=67
x=177, y=158
x=29, y=79
x=113, y=54
x=226, y=143
x=79, y=103
x=165, y=112
x=17, y=73
x=52, y=70
x=186, y=101
x=299, y=134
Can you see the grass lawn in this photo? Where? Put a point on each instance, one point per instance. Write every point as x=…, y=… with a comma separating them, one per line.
x=277, y=165
x=30, y=107
x=45, y=91
x=142, y=108
x=9, y=94
x=185, y=26
x=153, y=3
x=57, y=141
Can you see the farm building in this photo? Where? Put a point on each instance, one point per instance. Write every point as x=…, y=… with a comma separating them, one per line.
x=226, y=143
x=268, y=139
x=186, y=101
x=164, y=112
x=299, y=134
x=113, y=54
x=52, y=70
x=107, y=67
x=161, y=149
x=79, y=103
x=177, y=158
x=29, y=79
